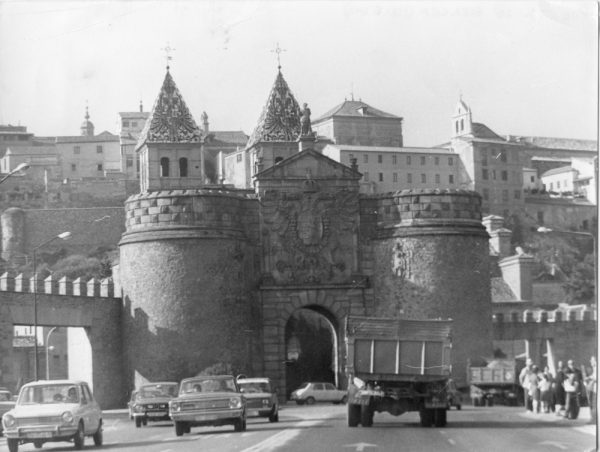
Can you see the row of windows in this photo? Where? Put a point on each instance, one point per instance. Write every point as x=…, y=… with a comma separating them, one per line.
x=409, y=178
x=99, y=167
x=493, y=174
x=15, y=137
x=77, y=149
x=551, y=185
x=164, y=167
x=422, y=159
x=129, y=123
x=497, y=155
x=505, y=194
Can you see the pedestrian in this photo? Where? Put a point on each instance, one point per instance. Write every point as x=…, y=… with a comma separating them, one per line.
x=578, y=377
x=559, y=390
x=534, y=389
x=545, y=386
x=592, y=390
x=572, y=387
x=524, y=380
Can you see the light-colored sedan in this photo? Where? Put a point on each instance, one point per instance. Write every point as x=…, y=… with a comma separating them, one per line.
x=6, y=404
x=151, y=402
x=261, y=397
x=310, y=393
x=55, y=410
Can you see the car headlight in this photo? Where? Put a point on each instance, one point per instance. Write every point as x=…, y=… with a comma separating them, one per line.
x=266, y=402
x=138, y=408
x=8, y=420
x=174, y=406
x=67, y=417
x=235, y=402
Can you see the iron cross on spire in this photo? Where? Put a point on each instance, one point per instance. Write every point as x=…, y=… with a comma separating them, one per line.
x=278, y=51
x=168, y=49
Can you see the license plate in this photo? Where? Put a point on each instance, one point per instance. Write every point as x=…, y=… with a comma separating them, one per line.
x=361, y=401
x=200, y=418
x=39, y=435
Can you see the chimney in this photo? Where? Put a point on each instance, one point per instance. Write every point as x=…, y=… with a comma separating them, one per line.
x=141, y=107
x=517, y=273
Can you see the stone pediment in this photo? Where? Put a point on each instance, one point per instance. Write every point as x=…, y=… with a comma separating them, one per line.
x=308, y=165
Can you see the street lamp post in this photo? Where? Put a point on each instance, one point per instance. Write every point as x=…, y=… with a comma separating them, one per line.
x=19, y=167
x=62, y=236
x=47, y=352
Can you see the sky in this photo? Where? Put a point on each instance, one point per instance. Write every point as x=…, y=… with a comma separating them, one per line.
x=525, y=68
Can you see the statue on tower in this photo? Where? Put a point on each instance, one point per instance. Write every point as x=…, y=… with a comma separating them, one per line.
x=305, y=126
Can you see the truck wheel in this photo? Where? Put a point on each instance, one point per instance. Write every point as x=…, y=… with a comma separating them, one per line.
x=144, y=421
x=344, y=400
x=439, y=417
x=138, y=421
x=426, y=416
x=366, y=416
x=187, y=428
x=13, y=444
x=38, y=444
x=238, y=426
x=179, y=428
x=353, y=415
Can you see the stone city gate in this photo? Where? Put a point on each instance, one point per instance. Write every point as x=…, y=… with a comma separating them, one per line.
x=90, y=305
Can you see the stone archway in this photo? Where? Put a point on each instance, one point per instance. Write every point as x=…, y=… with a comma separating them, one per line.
x=311, y=347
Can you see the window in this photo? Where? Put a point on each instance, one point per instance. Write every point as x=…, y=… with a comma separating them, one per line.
x=585, y=225
x=408, y=160
x=450, y=161
x=99, y=167
x=380, y=177
x=557, y=185
x=365, y=158
x=366, y=176
x=409, y=178
x=278, y=159
x=73, y=167
x=504, y=175
x=532, y=178
x=484, y=174
x=77, y=150
x=503, y=156
x=540, y=217
x=494, y=174
x=164, y=167
x=484, y=157
x=239, y=157
x=437, y=178
x=380, y=158
x=98, y=149
x=125, y=123
x=451, y=178
x=395, y=177
x=183, y=167
x=505, y=195
x=422, y=160
x=129, y=162
x=517, y=194
x=436, y=160
x=394, y=159
x=551, y=186
x=486, y=194
x=133, y=123
x=423, y=179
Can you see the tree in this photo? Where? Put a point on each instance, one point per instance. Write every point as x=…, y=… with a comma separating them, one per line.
x=580, y=284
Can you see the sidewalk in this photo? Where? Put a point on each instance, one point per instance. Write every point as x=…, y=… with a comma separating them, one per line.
x=581, y=424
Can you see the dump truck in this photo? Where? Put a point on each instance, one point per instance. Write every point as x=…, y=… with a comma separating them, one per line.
x=495, y=383
x=396, y=366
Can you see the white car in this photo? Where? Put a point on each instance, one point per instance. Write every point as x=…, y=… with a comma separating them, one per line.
x=261, y=397
x=55, y=410
x=310, y=393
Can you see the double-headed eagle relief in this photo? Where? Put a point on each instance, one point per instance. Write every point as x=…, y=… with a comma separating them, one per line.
x=311, y=236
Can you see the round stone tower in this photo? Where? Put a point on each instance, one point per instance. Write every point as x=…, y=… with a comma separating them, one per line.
x=431, y=260
x=186, y=266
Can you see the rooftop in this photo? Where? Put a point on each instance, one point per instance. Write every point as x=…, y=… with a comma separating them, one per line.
x=104, y=136
x=31, y=150
x=355, y=108
x=573, y=144
x=405, y=150
x=561, y=170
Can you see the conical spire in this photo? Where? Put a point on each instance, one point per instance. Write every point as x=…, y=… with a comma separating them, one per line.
x=280, y=119
x=170, y=120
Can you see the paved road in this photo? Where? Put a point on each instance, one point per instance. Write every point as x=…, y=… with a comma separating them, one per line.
x=323, y=428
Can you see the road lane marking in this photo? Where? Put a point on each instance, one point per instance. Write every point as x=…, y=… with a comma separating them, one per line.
x=451, y=441
x=360, y=447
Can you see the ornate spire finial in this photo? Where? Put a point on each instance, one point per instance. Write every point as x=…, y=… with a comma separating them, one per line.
x=278, y=51
x=87, y=113
x=352, y=90
x=168, y=49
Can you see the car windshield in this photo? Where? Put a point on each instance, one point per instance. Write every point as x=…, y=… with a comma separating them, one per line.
x=157, y=390
x=304, y=385
x=249, y=388
x=4, y=396
x=208, y=385
x=56, y=393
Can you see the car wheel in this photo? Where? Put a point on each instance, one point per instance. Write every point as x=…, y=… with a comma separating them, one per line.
x=79, y=438
x=179, y=428
x=344, y=400
x=426, y=416
x=353, y=415
x=274, y=417
x=38, y=444
x=98, y=436
x=238, y=425
x=13, y=445
x=188, y=428
x=138, y=422
x=310, y=400
x=439, y=416
x=458, y=407
x=366, y=416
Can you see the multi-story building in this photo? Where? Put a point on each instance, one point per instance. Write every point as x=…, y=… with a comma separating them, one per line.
x=43, y=160
x=14, y=136
x=387, y=169
x=577, y=179
x=357, y=123
x=131, y=124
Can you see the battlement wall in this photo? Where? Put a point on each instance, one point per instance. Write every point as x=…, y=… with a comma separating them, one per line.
x=105, y=288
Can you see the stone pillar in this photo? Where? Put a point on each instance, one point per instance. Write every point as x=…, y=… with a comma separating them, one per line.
x=516, y=271
x=12, y=222
x=500, y=241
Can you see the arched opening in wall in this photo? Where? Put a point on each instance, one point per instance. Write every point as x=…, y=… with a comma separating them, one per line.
x=164, y=167
x=62, y=353
x=183, y=167
x=311, y=348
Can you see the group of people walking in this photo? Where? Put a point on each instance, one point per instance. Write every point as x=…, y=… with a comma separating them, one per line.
x=562, y=391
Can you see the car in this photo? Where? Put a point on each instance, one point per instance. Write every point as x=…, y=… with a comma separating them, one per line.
x=53, y=410
x=454, y=396
x=6, y=404
x=209, y=400
x=312, y=392
x=261, y=397
x=151, y=402
x=130, y=404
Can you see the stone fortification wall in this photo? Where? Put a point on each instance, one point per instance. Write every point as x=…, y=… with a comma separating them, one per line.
x=187, y=270
x=430, y=259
